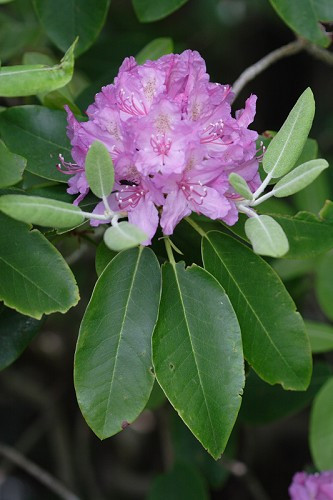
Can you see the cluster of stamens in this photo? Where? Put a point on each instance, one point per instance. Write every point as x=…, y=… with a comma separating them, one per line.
x=130, y=105
x=194, y=191
x=160, y=144
x=129, y=196
x=68, y=168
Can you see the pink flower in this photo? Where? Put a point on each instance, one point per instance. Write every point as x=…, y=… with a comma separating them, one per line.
x=173, y=141
x=312, y=486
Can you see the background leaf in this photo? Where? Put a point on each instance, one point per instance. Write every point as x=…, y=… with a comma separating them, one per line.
x=150, y=10
x=155, y=49
x=11, y=167
x=64, y=20
x=303, y=16
x=321, y=428
x=274, y=339
x=16, y=333
x=197, y=354
x=113, y=377
x=320, y=335
x=34, y=278
x=324, y=284
x=38, y=134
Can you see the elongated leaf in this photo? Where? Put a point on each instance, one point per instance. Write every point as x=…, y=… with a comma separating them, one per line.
x=299, y=178
x=16, y=333
x=267, y=236
x=113, y=377
x=263, y=403
x=287, y=145
x=154, y=50
x=150, y=10
x=183, y=481
x=321, y=428
x=324, y=284
x=197, y=354
x=99, y=170
x=240, y=185
x=11, y=167
x=16, y=81
x=303, y=16
x=307, y=235
x=320, y=335
x=64, y=20
x=274, y=338
x=41, y=211
x=123, y=236
x=34, y=278
x=38, y=134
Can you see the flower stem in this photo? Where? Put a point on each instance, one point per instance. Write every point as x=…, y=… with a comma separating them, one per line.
x=169, y=252
x=195, y=226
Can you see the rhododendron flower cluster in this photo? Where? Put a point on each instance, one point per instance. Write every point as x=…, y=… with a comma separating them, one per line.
x=173, y=141
x=312, y=486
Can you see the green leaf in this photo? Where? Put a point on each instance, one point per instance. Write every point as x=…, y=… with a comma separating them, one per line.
x=113, y=377
x=326, y=213
x=287, y=145
x=299, y=178
x=34, y=278
x=41, y=211
x=240, y=186
x=123, y=236
x=65, y=20
x=99, y=170
x=307, y=235
x=150, y=10
x=103, y=256
x=16, y=333
x=11, y=167
x=182, y=482
x=324, y=284
x=321, y=428
x=17, y=81
x=155, y=49
x=320, y=335
x=39, y=135
x=290, y=269
x=197, y=354
x=303, y=17
x=274, y=338
x=267, y=236
x=263, y=403
x=157, y=397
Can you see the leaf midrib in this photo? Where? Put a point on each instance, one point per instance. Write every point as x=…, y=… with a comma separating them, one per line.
x=194, y=356
x=120, y=335
x=254, y=313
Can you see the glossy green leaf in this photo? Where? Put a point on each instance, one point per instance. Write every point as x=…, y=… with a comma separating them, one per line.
x=34, y=278
x=41, y=211
x=123, y=236
x=267, y=236
x=113, y=377
x=307, y=235
x=321, y=428
x=303, y=17
x=64, y=20
x=320, y=335
x=324, y=284
x=299, y=178
x=274, y=338
x=16, y=333
x=154, y=50
x=182, y=482
x=11, y=167
x=287, y=145
x=263, y=403
x=17, y=81
x=197, y=354
x=290, y=269
x=240, y=186
x=99, y=170
x=150, y=10
x=39, y=135
x=103, y=256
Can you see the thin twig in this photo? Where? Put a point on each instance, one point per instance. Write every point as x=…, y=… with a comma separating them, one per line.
x=37, y=472
x=319, y=53
x=252, y=71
